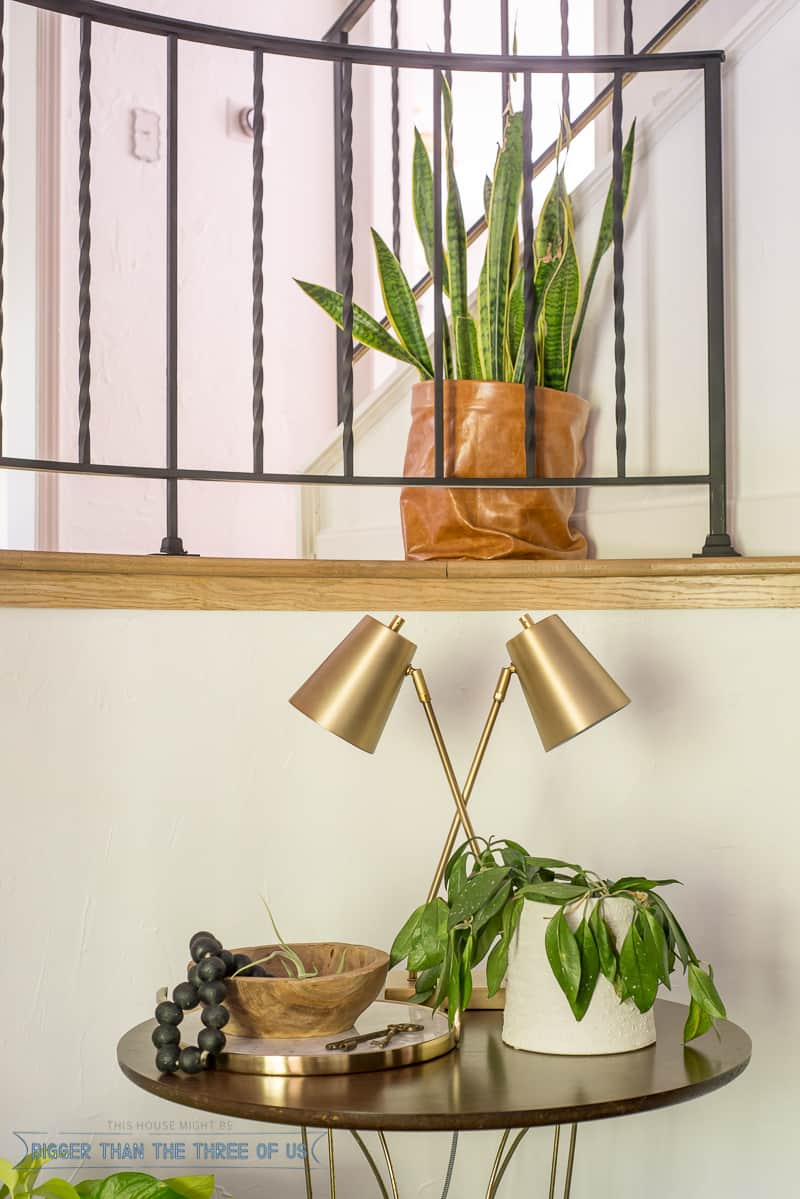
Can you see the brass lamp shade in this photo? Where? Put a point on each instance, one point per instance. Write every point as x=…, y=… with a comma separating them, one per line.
x=353, y=691
x=566, y=687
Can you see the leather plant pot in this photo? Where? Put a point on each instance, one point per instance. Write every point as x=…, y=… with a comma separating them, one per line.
x=484, y=437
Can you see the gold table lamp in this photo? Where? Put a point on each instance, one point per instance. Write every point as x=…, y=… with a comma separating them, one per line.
x=354, y=690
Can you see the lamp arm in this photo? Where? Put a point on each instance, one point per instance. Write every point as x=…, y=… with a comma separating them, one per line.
x=500, y=692
x=424, y=696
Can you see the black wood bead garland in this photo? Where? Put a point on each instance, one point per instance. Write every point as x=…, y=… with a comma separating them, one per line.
x=204, y=985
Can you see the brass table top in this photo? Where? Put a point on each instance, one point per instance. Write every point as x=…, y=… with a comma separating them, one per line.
x=482, y=1084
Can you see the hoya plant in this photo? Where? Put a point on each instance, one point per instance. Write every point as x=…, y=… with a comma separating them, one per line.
x=23, y=1181
x=487, y=343
x=445, y=938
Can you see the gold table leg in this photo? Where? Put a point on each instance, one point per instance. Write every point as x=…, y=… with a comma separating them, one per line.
x=389, y=1165
x=331, y=1164
x=306, y=1163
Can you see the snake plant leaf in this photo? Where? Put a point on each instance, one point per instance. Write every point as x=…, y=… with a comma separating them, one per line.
x=401, y=307
x=605, y=236
x=365, y=328
x=487, y=196
x=493, y=284
x=516, y=324
x=563, y=955
x=698, y=1022
x=454, y=223
x=467, y=352
x=590, y=969
x=559, y=305
x=422, y=203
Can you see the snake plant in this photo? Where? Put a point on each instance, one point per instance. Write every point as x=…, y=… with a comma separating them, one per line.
x=489, y=343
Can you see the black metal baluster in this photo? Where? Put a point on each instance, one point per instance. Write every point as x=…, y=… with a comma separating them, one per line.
x=438, y=314
x=258, y=261
x=345, y=217
x=565, y=52
x=172, y=543
x=84, y=241
x=505, y=83
x=529, y=289
x=394, y=37
x=619, y=284
x=718, y=543
x=627, y=23
x=341, y=38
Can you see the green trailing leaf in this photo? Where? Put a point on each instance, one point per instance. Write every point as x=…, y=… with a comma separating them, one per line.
x=442, y=985
x=552, y=892
x=467, y=351
x=640, y=884
x=639, y=969
x=466, y=972
x=454, y=988
x=425, y=984
x=604, y=942
x=698, y=1022
x=605, y=235
x=559, y=305
x=590, y=969
x=404, y=939
x=652, y=930
x=477, y=891
x=430, y=939
x=682, y=947
x=457, y=877
x=511, y=917
x=496, y=967
x=703, y=991
x=563, y=955
x=493, y=284
x=401, y=307
x=490, y=930
x=492, y=907
x=366, y=329
x=422, y=201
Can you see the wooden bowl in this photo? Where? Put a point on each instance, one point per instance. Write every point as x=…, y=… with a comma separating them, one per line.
x=306, y=1007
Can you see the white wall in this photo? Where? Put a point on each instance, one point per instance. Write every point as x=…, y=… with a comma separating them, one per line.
x=156, y=780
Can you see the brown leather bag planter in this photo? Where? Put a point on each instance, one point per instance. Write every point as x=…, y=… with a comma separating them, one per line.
x=484, y=437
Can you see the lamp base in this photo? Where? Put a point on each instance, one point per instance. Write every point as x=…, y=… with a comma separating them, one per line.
x=399, y=989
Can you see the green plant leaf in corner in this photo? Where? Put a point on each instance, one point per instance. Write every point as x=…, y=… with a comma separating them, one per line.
x=89, y=1187
x=401, y=307
x=56, y=1188
x=563, y=955
x=365, y=328
x=131, y=1185
x=8, y=1176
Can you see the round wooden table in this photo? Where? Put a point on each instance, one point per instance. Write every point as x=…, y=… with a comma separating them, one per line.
x=481, y=1085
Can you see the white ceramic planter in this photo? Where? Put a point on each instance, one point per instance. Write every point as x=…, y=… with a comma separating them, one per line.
x=537, y=1015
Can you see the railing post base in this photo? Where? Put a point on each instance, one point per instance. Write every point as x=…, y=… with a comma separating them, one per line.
x=718, y=545
x=173, y=545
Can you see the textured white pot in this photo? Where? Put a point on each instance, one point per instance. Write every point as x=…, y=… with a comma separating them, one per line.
x=537, y=1015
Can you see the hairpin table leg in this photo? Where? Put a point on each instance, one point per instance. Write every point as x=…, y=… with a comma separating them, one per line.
x=570, y=1160
x=331, y=1164
x=389, y=1165
x=359, y=1140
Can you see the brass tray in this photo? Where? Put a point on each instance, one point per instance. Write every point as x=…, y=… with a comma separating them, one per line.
x=300, y=1056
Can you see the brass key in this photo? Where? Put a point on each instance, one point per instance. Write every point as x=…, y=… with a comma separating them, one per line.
x=380, y=1037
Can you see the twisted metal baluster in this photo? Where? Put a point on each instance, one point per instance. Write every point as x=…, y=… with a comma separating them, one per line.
x=394, y=38
x=84, y=242
x=627, y=20
x=529, y=287
x=619, y=283
x=346, y=242
x=258, y=262
x=565, y=52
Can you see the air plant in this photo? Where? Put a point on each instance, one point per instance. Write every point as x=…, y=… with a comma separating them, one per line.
x=487, y=343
